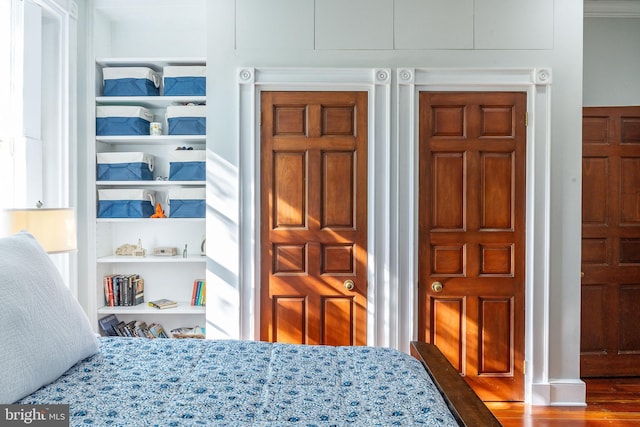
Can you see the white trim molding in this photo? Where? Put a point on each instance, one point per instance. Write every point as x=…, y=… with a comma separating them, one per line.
x=611, y=9
x=536, y=82
x=377, y=83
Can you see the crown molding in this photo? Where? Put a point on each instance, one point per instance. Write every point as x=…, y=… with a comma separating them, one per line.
x=612, y=9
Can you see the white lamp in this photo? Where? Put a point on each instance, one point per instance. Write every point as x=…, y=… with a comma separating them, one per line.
x=55, y=229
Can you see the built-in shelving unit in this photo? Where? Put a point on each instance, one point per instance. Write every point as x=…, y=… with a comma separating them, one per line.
x=154, y=34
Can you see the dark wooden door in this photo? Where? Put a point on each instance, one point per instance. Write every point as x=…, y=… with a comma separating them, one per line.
x=610, y=331
x=472, y=236
x=314, y=217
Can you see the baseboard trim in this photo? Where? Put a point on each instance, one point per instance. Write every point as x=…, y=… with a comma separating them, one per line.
x=559, y=392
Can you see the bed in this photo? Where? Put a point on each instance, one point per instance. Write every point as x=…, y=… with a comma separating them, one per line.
x=50, y=356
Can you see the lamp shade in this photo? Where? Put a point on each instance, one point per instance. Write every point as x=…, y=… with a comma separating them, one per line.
x=55, y=229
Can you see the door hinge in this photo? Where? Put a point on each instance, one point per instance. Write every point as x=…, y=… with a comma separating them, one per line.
x=260, y=118
x=524, y=368
x=526, y=119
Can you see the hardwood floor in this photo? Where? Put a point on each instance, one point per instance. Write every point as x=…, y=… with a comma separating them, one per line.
x=610, y=402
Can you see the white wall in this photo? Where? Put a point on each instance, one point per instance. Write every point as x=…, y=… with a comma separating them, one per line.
x=611, y=61
x=395, y=34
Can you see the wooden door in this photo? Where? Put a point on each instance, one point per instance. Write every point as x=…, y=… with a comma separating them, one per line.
x=314, y=217
x=472, y=236
x=610, y=331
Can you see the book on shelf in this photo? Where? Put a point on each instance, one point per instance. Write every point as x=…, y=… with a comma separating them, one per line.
x=123, y=290
x=195, y=332
x=108, y=325
x=163, y=303
x=121, y=329
x=157, y=331
x=198, y=296
x=138, y=286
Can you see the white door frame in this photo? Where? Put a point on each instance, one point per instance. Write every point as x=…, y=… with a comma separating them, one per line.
x=536, y=82
x=376, y=82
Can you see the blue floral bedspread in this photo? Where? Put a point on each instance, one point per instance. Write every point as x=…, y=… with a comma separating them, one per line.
x=185, y=382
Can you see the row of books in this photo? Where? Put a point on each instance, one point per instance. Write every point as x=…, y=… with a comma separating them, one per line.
x=111, y=326
x=128, y=290
x=123, y=290
x=199, y=294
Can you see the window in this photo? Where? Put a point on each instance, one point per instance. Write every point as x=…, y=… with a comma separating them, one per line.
x=37, y=93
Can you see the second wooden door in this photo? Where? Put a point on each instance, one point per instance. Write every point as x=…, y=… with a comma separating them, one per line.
x=472, y=236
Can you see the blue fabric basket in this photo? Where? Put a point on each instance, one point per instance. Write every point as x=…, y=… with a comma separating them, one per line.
x=181, y=208
x=130, y=81
x=187, y=126
x=187, y=165
x=187, y=203
x=186, y=120
x=124, y=166
x=122, y=120
x=185, y=81
x=125, y=203
x=185, y=86
x=124, y=172
x=125, y=209
x=130, y=87
x=187, y=171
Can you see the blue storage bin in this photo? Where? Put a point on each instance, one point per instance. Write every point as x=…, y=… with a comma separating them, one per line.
x=186, y=119
x=125, y=203
x=187, y=165
x=130, y=81
x=185, y=80
x=114, y=120
x=125, y=166
x=187, y=203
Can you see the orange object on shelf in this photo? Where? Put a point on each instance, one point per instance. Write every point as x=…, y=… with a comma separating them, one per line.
x=159, y=212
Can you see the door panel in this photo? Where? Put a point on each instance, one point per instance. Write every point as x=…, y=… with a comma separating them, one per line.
x=314, y=218
x=448, y=322
x=610, y=337
x=472, y=235
x=290, y=314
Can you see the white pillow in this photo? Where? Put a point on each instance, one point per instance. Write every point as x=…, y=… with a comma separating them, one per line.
x=43, y=329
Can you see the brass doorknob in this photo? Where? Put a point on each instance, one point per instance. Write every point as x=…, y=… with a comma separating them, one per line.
x=436, y=286
x=349, y=284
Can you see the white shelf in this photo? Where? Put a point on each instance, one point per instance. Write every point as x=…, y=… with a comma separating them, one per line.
x=182, y=308
x=153, y=63
x=165, y=221
x=150, y=183
x=151, y=139
x=150, y=101
x=114, y=259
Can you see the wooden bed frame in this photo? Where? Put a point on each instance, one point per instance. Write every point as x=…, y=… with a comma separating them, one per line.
x=464, y=404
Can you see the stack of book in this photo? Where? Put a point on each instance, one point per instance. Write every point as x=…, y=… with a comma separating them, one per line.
x=123, y=290
x=111, y=326
x=199, y=294
x=163, y=303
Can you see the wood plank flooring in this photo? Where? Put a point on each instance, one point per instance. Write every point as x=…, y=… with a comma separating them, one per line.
x=610, y=402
